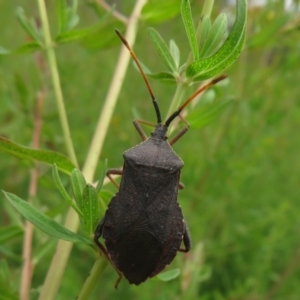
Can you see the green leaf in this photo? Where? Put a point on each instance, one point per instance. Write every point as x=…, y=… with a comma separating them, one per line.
x=67, y=17
x=74, y=35
x=29, y=26
x=175, y=52
x=157, y=11
x=43, y=222
x=73, y=18
x=164, y=77
x=189, y=26
x=215, y=36
x=90, y=208
x=61, y=12
x=103, y=168
x=80, y=34
x=206, y=25
x=78, y=184
x=9, y=232
x=162, y=49
x=27, y=48
x=227, y=54
x=45, y=156
x=206, y=114
x=168, y=275
x=63, y=191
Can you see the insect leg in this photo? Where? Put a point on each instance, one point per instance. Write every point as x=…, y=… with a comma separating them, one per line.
x=181, y=186
x=114, y=172
x=139, y=128
x=97, y=235
x=181, y=132
x=187, y=240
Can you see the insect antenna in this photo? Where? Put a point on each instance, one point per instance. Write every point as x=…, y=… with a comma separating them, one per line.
x=203, y=88
x=158, y=114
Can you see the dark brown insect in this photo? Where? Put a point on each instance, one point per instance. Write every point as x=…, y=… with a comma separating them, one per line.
x=143, y=226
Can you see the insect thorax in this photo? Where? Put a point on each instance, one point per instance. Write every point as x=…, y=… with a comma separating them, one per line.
x=155, y=154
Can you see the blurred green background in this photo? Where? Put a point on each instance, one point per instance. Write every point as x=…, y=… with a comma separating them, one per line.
x=241, y=173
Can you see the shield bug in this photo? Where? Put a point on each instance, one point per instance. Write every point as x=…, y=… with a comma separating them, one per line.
x=143, y=226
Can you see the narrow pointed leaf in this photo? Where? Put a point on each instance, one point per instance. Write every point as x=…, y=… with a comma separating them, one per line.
x=43, y=222
x=80, y=34
x=9, y=232
x=62, y=189
x=90, y=208
x=61, y=13
x=27, y=48
x=189, y=26
x=168, y=275
x=73, y=18
x=206, y=25
x=162, y=49
x=45, y=156
x=72, y=21
x=164, y=77
x=227, y=54
x=102, y=175
x=27, y=25
x=209, y=73
x=157, y=11
x=175, y=52
x=78, y=184
x=75, y=35
x=215, y=36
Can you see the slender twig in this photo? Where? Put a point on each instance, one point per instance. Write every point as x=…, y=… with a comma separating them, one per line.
x=59, y=260
x=56, y=82
x=115, y=13
x=28, y=265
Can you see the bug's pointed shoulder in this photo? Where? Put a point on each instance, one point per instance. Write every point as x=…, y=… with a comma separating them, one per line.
x=155, y=153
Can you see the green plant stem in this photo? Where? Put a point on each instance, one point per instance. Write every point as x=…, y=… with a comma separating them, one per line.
x=56, y=82
x=92, y=280
x=113, y=93
x=179, y=93
x=60, y=258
